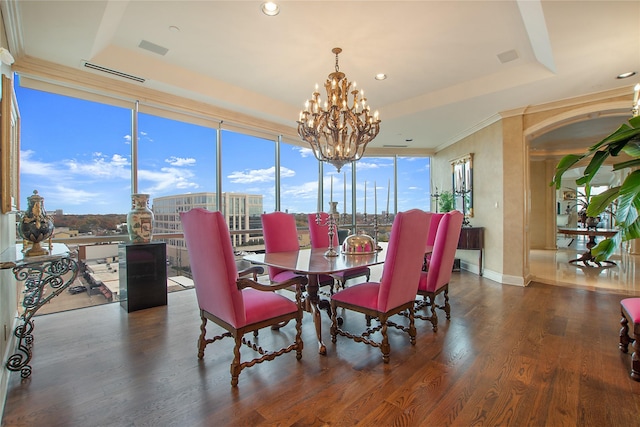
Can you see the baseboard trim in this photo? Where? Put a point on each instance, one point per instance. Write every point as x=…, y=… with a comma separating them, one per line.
x=495, y=276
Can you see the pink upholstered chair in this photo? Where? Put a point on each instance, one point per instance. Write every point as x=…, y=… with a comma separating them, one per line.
x=281, y=235
x=396, y=291
x=630, y=310
x=320, y=239
x=436, y=279
x=433, y=229
x=239, y=305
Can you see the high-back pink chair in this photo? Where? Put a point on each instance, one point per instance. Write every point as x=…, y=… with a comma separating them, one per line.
x=397, y=288
x=281, y=235
x=433, y=229
x=239, y=305
x=436, y=279
x=319, y=234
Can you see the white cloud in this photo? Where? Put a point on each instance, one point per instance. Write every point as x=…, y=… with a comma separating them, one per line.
x=286, y=172
x=304, y=152
x=167, y=179
x=180, y=161
x=364, y=165
x=29, y=166
x=100, y=166
x=306, y=190
x=259, y=175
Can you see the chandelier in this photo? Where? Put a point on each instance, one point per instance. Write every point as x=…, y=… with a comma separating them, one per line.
x=338, y=130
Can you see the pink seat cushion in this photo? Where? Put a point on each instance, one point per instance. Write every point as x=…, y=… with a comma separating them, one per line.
x=259, y=305
x=285, y=275
x=363, y=295
x=632, y=306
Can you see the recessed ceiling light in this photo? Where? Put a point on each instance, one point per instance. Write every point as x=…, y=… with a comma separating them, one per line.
x=381, y=76
x=626, y=75
x=174, y=29
x=270, y=8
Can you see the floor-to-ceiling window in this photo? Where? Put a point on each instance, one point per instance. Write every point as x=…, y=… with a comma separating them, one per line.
x=77, y=153
x=176, y=166
x=414, y=183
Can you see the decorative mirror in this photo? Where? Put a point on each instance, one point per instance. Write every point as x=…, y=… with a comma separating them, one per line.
x=462, y=177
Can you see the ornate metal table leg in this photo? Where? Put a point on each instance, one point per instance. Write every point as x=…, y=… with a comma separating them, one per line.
x=37, y=276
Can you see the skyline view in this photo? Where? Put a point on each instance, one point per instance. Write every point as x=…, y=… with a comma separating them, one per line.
x=77, y=154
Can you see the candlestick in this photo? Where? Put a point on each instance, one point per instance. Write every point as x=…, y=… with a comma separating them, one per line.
x=375, y=198
x=467, y=179
x=331, y=188
x=319, y=197
x=388, y=195
x=365, y=197
x=344, y=178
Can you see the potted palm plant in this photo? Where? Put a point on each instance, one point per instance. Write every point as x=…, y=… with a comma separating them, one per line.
x=626, y=196
x=446, y=201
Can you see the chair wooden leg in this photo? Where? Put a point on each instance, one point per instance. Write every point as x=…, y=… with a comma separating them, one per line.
x=202, y=342
x=624, y=335
x=635, y=359
x=235, y=365
x=299, y=343
x=384, y=346
x=334, y=323
x=434, y=315
x=412, y=327
x=447, y=307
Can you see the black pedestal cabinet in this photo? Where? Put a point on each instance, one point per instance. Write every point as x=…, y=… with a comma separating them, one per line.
x=143, y=275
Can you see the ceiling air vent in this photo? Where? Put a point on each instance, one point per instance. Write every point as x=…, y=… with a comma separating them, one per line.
x=114, y=72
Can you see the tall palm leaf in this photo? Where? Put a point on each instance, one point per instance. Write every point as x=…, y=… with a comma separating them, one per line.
x=626, y=196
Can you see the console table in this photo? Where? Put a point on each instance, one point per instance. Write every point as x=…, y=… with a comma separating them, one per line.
x=44, y=277
x=472, y=238
x=587, y=259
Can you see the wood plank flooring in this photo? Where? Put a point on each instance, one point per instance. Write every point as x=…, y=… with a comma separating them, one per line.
x=510, y=356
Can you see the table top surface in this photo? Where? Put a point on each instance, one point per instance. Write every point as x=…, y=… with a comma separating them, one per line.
x=313, y=261
x=17, y=256
x=588, y=232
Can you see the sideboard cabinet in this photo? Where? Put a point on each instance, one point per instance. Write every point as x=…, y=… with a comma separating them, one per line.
x=472, y=238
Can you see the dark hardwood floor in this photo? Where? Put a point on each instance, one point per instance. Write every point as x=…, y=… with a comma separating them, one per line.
x=536, y=356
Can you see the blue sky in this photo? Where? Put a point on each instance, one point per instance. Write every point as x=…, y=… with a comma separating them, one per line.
x=77, y=154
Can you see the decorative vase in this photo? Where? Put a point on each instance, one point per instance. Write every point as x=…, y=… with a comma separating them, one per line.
x=592, y=222
x=140, y=219
x=35, y=225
